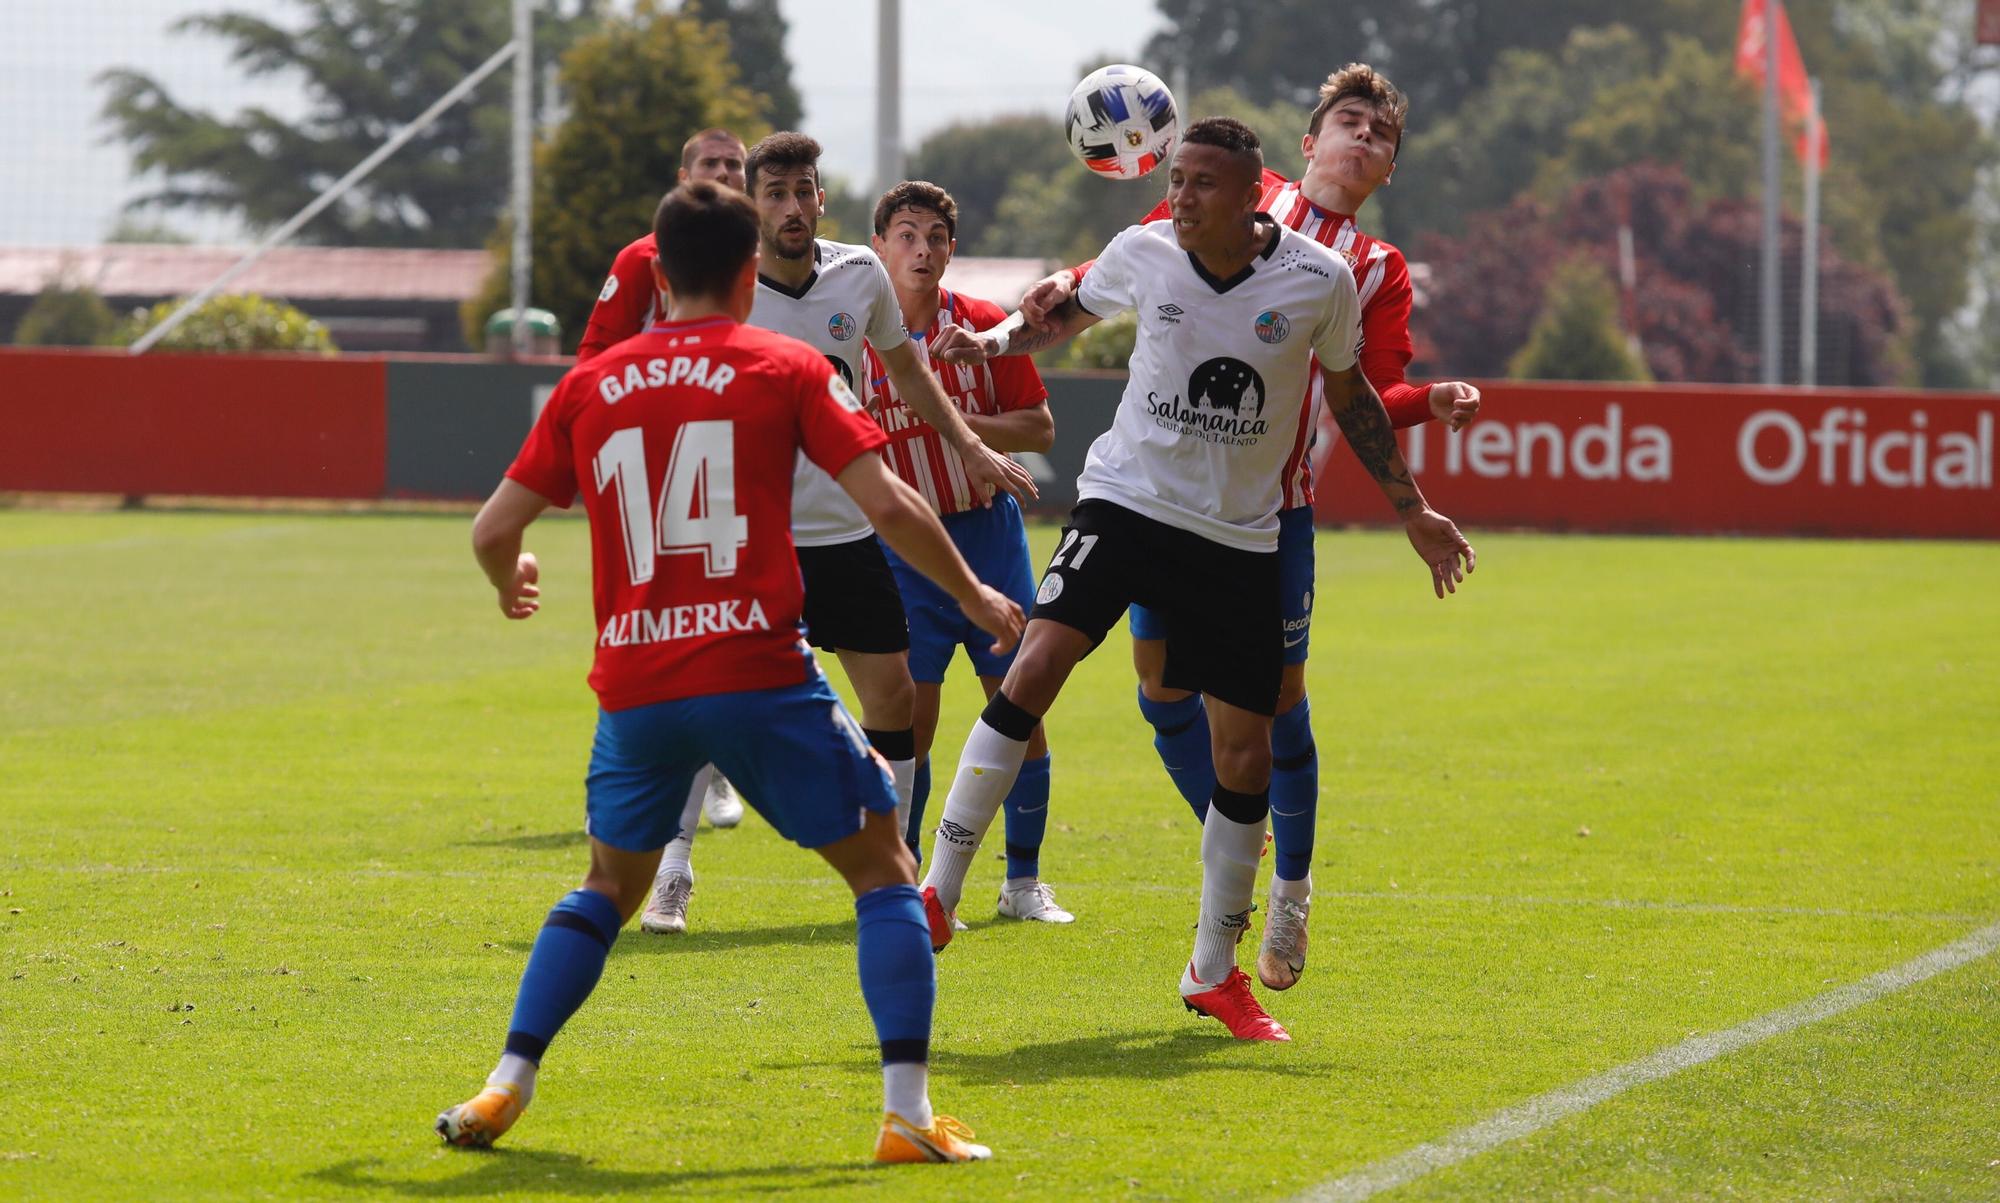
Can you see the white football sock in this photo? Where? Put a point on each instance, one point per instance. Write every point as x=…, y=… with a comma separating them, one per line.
x=678, y=855
x=1295, y=891
x=906, y=1090
x=986, y=771
x=1228, y=882
x=516, y=1071
x=904, y=773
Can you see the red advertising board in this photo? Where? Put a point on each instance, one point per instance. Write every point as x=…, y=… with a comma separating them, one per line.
x=1693, y=460
x=221, y=425
x=1988, y=30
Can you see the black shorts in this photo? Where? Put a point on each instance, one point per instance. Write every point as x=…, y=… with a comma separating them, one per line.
x=851, y=600
x=1225, y=635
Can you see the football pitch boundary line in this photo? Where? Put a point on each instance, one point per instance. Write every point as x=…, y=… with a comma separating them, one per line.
x=1544, y=1110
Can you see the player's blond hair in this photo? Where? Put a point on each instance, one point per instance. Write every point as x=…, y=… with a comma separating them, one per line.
x=1365, y=82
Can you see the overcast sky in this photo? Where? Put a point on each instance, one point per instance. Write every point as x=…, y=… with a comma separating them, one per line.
x=60, y=184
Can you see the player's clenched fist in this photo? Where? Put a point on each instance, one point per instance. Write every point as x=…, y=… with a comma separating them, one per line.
x=1455, y=403
x=956, y=344
x=519, y=597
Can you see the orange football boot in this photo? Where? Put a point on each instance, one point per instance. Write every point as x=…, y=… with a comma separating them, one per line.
x=482, y=1119
x=903, y=1143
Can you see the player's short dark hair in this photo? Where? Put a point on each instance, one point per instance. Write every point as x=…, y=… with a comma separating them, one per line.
x=713, y=133
x=787, y=150
x=1359, y=80
x=921, y=195
x=705, y=233
x=1227, y=133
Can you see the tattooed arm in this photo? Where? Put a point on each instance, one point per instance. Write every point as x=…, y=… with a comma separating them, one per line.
x=1015, y=336
x=1364, y=422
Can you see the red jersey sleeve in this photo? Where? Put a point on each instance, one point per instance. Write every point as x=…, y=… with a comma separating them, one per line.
x=834, y=426
x=547, y=460
x=623, y=304
x=1386, y=348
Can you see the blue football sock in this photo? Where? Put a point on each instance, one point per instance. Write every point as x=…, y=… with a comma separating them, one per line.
x=1027, y=810
x=898, y=971
x=920, y=793
x=563, y=969
x=1294, y=791
x=1180, y=733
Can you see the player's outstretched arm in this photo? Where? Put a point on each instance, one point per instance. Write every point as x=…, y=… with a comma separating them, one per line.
x=1014, y=336
x=496, y=541
x=1355, y=406
x=909, y=526
x=985, y=468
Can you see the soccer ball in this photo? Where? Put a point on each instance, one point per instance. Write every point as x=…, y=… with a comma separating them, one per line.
x=1122, y=121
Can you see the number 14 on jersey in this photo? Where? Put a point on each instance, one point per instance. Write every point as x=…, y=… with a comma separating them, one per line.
x=697, y=511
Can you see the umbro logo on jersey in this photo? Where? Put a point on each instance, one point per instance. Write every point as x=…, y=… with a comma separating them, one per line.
x=1272, y=326
x=841, y=326
x=1171, y=313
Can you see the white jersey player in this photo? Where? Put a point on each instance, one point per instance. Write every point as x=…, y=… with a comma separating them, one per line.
x=1178, y=512
x=834, y=296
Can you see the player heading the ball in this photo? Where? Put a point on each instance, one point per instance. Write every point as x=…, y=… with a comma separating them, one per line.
x=1178, y=511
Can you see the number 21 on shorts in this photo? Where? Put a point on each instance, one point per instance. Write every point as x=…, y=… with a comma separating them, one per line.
x=1081, y=544
x=697, y=512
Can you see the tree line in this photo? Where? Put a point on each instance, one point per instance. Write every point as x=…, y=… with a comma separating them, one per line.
x=1538, y=128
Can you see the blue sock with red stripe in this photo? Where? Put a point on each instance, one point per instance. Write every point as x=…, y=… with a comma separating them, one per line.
x=1294, y=792
x=563, y=969
x=1180, y=734
x=1027, y=810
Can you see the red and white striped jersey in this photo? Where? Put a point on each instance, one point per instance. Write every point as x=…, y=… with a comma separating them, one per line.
x=916, y=451
x=1382, y=278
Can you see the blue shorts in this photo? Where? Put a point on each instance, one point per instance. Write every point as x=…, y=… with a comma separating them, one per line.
x=1295, y=579
x=994, y=542
x=793, y=752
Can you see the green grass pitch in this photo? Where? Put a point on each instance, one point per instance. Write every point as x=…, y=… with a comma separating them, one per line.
x=283, y=801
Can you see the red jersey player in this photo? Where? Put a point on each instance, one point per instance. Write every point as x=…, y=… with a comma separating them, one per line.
x=682, y=441
x=1350, y=144
x=630, y=301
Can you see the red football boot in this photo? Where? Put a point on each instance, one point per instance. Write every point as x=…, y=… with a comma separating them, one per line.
x=938, y=918
x=1236, y=1007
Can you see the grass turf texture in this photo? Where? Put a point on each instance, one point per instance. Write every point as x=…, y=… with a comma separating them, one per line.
x=283, y=800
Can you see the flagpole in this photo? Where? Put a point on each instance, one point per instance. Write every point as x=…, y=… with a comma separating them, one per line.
x=1770, y=310
x=1809, y=251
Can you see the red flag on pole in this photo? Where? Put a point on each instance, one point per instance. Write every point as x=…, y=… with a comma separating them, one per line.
x=1794, y=87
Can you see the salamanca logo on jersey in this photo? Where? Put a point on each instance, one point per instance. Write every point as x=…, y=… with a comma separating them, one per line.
x=1272, y=326
x=1228, y=405
x=840, y=326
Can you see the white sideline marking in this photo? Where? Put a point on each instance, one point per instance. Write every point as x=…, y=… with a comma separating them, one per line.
x=1524, y=1119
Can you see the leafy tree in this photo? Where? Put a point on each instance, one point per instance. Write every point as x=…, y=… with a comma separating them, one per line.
x=65, y=314
x=1577, y=336
x=232, y=322
x=1106, y=345
x=756, y=33
x=977, y=161
x=1069, y=215
x=1694, y=306
x=367, y=68
x=637, y=88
